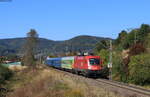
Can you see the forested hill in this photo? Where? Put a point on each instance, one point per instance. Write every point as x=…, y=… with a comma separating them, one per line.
x=84, y=43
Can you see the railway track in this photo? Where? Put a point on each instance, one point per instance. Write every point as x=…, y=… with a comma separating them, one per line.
x=121, y=88
x=135, y=89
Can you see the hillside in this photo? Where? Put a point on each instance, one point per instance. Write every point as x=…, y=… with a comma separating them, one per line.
x=45, y=46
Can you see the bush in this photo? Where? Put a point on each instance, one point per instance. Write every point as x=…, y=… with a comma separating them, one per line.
x=139, y=69
x=147, y=42
x=137, y=49
x=118, y=68
x=5, y=74
x=104, y=55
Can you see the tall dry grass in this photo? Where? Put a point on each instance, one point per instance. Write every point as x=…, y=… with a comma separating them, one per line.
x=50, y=83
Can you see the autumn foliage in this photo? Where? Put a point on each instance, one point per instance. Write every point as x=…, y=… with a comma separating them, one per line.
x=137, y=49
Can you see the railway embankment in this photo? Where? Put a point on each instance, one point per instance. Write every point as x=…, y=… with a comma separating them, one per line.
x=48, y=82
x=119, y=88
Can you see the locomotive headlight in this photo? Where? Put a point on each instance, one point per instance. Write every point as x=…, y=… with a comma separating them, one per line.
x=89, y=66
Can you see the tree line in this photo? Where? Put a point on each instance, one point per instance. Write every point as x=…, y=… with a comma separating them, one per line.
x=131, y=54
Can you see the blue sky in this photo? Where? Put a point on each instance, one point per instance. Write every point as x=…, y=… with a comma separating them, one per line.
x=64, y=19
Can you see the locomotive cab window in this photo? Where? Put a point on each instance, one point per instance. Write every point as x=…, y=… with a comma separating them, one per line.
x=94, y=61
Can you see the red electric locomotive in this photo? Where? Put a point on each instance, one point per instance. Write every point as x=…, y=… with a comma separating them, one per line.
x=87, y=65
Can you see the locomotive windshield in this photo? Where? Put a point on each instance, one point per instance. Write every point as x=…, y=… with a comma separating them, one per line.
x=94, y=61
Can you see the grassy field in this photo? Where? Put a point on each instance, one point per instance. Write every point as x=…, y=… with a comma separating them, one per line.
x=50, y=83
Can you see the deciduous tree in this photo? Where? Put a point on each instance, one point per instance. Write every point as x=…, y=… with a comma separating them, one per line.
x=30, y=49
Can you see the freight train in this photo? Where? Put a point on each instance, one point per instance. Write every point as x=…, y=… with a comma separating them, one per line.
x=85, y=65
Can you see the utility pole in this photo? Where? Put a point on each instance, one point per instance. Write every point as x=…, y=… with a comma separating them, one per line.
x=110, y=61
x=66, y=50
x=135, y=37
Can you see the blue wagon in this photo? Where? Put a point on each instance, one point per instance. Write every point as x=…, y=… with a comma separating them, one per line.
x=48, y=61
x=55, y=62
